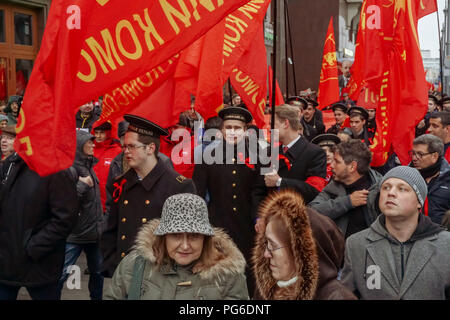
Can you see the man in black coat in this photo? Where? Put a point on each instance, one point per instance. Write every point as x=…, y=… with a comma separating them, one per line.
x=313, y=117
x=340, y=114
x=87, y=115
x=302, y=165
x=306, y=130
x=358, y=125
x=228, y=179
x=139, y=193
x=36, y=216
x=119, y=166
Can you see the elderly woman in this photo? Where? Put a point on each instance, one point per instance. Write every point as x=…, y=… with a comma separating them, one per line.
x=181, y=257
x=299, y=253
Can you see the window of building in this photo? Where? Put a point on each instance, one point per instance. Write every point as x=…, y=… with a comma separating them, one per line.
x=18, y=48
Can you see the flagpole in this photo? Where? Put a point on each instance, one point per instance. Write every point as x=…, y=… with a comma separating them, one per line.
x=229, y=92
x=440, y=52
x=274, y=63
x=286, y=49
x=291, y=47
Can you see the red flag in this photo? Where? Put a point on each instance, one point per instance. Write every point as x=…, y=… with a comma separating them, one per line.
x=249, y=78
x=131, y=94
x=197, y=70
x=278, y=95
x=211, y=59
x=3, y=94
x=92, y=47
x=426, y=7
x=329, y=83
x=403, y=88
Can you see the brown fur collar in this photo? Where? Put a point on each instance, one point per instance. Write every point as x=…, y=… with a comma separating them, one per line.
x=227, y=257
x=290, y=204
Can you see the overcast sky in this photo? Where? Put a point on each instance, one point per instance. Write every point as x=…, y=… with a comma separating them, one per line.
x=428, y=30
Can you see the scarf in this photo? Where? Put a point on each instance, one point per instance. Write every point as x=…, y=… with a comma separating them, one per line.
x=431, y=170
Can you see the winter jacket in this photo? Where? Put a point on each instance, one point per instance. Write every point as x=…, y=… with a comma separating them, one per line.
x=439, y=194
x=185, y=148
x=334, y=202
x=317, y=246
x=36, y=216
x=105, y=152
x=117, y=168
x=224, y=279
x=417, y=269
x=89, y=224
x=87, y=123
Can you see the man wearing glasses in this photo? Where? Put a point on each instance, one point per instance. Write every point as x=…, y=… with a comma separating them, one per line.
x=138, y=194
x=427, y=157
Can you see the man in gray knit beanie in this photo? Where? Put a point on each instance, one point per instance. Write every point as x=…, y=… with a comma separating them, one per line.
x=412, y=177
x=403, y=255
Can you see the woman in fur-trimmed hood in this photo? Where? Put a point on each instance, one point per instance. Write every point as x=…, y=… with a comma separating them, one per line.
x=285, y=262
x=181, y=256
x=299, y=252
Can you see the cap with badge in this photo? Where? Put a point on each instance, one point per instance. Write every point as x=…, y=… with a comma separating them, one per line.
x=358, y=110
x=143, y=126
x=339, y=106
x=122, y=128
x=326, y=139
x=236, y=113
x=312, y=102
x=297, y=101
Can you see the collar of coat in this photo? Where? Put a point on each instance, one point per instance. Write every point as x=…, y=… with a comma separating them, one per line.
x=228, y=259
x=150, y=179
x=303, y=248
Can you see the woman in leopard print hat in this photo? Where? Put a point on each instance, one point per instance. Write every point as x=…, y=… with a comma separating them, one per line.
x=181, y=256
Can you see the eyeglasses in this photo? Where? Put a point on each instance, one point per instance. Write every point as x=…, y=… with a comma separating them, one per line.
x=272, y=249
x=132, y=147
x=418, y=155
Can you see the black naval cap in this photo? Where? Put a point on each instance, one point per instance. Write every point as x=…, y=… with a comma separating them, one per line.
x=312, y=102
x=339, y=106
x=297, y=101
x=105, y=126
x=444, y=100
x=359, y=110
x=143, y=126
x=326, y=139
x=236, y=113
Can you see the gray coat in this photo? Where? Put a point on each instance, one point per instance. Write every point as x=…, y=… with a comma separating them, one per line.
x=418, y=269
x=334, y=202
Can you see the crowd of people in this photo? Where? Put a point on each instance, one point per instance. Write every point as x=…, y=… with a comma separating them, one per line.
x=321, y=224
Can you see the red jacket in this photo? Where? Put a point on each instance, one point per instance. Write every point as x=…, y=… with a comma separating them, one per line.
x=105, y=152
x=186, y=151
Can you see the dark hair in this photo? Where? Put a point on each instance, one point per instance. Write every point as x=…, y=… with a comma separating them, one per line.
x=357, y=114
x=355, y=150
x=443, y=115
x=213, y=123
x=148, y=139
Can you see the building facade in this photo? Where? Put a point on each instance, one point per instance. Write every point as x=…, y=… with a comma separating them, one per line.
x=22, y=25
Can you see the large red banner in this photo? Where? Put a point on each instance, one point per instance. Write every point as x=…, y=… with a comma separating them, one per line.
x=92, y=47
